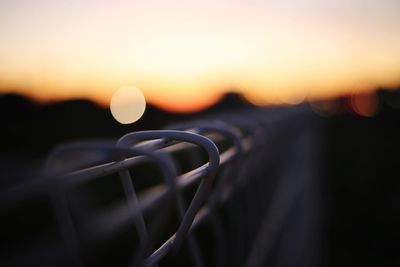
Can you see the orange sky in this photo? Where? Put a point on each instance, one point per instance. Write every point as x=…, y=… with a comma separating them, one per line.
x=184, y=54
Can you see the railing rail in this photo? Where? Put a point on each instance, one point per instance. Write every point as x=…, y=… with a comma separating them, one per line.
x=236, y=146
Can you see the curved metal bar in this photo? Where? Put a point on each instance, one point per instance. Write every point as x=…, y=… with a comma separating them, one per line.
x=233, y=134
x=229, y=132
x=169, y=173
x=181, y=208
x=217, y=126
x=205, y=184
x=111, y=152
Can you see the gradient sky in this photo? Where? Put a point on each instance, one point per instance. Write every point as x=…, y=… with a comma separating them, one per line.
x=183, y=54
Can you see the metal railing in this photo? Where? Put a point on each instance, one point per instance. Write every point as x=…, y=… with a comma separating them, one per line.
x=223, y=186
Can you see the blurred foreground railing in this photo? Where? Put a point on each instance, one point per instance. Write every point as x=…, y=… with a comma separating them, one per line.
x=207, y=193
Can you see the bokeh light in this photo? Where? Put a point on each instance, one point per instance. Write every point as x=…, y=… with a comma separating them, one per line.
x=127, y=105
x=365, y=104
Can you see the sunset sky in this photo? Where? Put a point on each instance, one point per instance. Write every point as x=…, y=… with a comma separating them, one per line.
x=184, y=54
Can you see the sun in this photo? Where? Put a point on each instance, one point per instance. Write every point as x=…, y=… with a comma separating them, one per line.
x=127, y=105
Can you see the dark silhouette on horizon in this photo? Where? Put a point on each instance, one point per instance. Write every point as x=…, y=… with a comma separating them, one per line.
x=31, y=128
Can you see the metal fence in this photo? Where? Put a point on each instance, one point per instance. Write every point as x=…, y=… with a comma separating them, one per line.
x=234, y=189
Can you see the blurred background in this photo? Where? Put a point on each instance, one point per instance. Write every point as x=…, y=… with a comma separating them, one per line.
x=62, y=61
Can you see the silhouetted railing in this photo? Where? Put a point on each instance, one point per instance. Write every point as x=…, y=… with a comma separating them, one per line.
x=207, y=193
